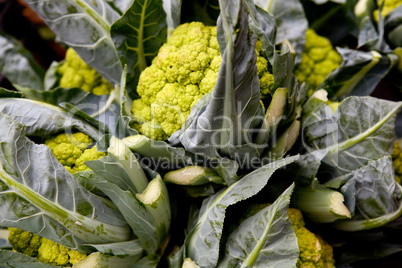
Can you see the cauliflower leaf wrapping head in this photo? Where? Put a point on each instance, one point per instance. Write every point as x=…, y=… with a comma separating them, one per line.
x=74, y=72
x=314, y=252
x=185, y=69
x=318, y=59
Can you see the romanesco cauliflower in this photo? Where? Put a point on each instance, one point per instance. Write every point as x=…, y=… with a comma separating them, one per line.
x=24, y=242
x=389, y=6
x=318, y=60
x=314, y=251
x=43, y=249
x=71, y=150
x=75, y=72
x=397, y=161
x=185, y=69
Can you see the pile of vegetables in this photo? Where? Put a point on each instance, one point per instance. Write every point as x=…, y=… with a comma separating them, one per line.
x=203, y=133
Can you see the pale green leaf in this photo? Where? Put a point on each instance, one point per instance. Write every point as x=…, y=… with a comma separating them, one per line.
x=85, y=26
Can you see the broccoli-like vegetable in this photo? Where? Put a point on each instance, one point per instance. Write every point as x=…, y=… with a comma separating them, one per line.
x=24, y=242
x=184, y=70
x=72, y=151
x=314, y=251
x=74, y=72
x=397, y=161
x=318, y=59
x=43, y=249
x=389, y=5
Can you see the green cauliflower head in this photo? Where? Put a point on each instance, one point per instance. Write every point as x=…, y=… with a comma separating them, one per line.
x=314, y=251
x=72, y=151
x=185, y=69
x=43, y=249
x=74, y=72
x=318, y=59
x=24, y=242
x=397, y=162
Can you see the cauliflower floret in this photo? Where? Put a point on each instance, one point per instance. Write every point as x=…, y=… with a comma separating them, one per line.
x=75, y=72
x=153, y=129
x=87, y=155
x=71, y=150
x=56, y=254
x=43, y=249
x=318, y=59
x=314, y=251
x=24, y=242
x=397, y=162
x=389, y=5
x=185, y=69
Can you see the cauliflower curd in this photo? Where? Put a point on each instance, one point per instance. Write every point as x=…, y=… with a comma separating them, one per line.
x=71, y=150
x=43, y=249
x=318, y=59
x=185, y=69
x=75, y=72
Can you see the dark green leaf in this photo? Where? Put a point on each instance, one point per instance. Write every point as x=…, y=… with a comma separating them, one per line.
x=291, y=21
x=266, y=239
x=138, y=35
x=360, y=130
x=359, y=73
x=376, y=177
x=202, y=243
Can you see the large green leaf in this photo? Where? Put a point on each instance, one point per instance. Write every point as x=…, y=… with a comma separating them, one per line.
x=291, y=21
x=263, y=25
x=360, y=130
x=135, y=213
x=138, y=35
x=376, y=177
x=85, y=26
x=224, y=126
x=103, y=108
x=359, y=73
x=40, y=196
x=18, y=65
x=202, y=243
x=371, y=194
x=125, y=183
x=120, y=167
x=266, y=239
x=41, y=119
